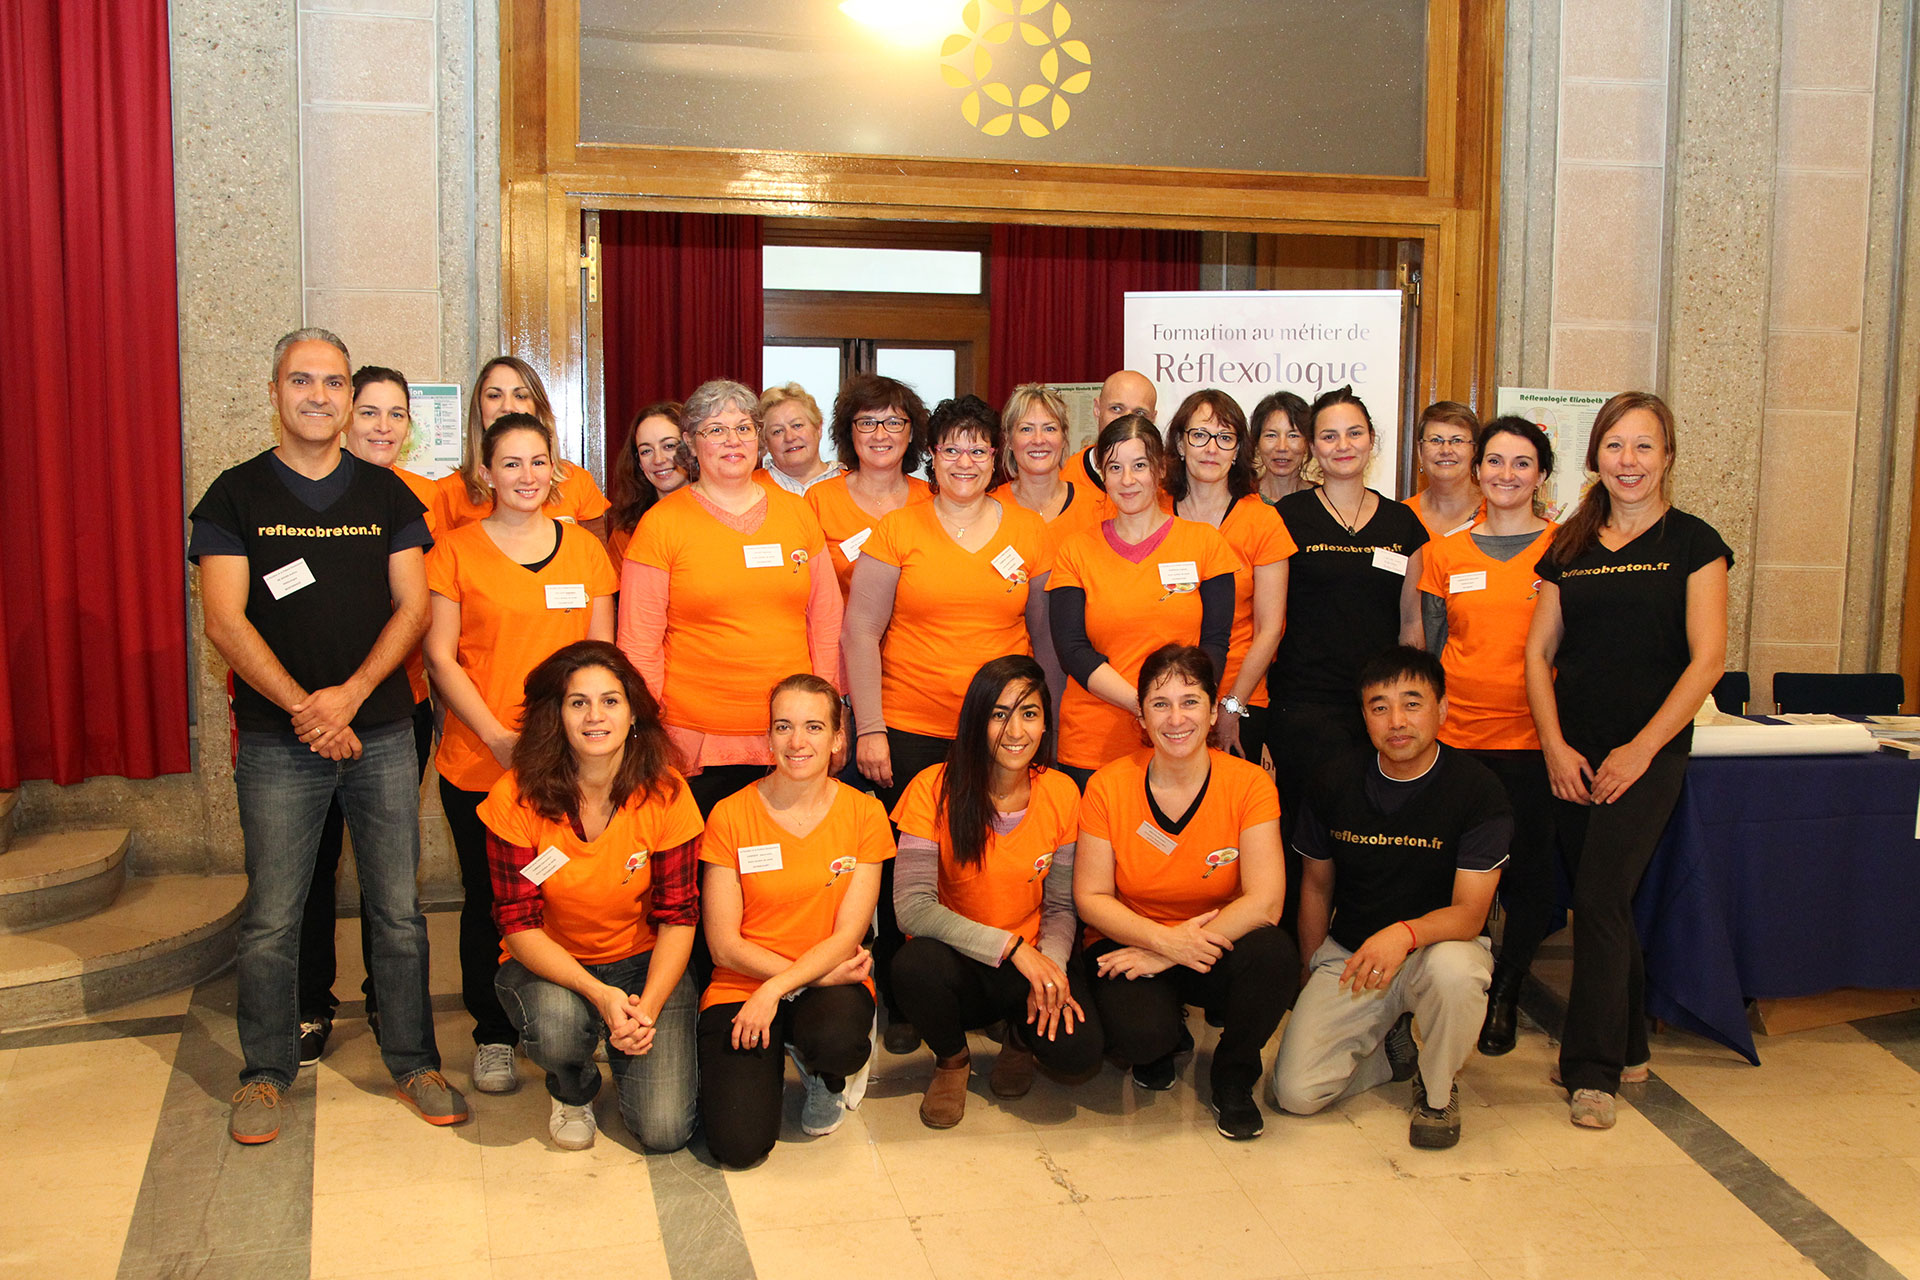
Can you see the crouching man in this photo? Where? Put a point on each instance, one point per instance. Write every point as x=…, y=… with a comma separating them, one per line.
x=1403, y=847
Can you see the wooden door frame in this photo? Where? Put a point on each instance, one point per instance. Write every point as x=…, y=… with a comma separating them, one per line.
x=548, y=177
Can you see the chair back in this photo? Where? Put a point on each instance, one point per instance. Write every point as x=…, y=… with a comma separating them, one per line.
x=1733, y=692
x=1847, y=693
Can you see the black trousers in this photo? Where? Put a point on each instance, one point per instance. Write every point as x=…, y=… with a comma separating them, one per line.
x=1607, y=848
x=830, y=1028
x=318, y=967
x=479, y=936
x=716, y=782
x=911, y=753
x=1246, y=995
x=946, y=995
x=1527, y=881
x=1301, y=738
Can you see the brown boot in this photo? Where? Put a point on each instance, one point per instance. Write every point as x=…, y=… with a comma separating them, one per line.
x=1012, y=1070
x=946, y=1100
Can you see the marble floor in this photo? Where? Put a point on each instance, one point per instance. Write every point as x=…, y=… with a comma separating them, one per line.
x=114, y=1162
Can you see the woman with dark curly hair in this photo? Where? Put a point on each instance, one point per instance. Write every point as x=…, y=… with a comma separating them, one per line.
x=593, y=844
x=645, y=471
x=879, y=435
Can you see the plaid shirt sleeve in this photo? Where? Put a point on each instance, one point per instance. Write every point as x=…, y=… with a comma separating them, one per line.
x=517, y=905
x=676, y=886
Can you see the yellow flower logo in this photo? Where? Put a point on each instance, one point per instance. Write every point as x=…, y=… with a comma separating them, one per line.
x=991, y=104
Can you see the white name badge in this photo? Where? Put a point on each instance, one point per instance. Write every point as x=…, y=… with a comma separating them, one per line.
x=1457, y=528
x=566, y=595
x=1008, y=562
x=759, y=857
x=1475, y=581
x=1180, y=573
x=1391, y=561
x=549, y=861
x=851, y=547
x=289, y=578
x=1156, y=837
x=764, y=555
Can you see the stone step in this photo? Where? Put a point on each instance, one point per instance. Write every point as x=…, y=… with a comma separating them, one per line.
x=162, y=933
x=9, y=801
x=60, y=875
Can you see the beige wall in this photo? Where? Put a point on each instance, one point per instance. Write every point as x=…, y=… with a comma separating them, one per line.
x=1723, y=226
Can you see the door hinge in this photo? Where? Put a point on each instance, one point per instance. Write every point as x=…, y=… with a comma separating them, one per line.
x=590, y=263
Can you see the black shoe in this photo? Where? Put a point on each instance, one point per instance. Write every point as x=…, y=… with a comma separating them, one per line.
x=1501, y=1029
x=900, y=1037
x=1185, y=1043
x=313, y=1039
x=1156, y=1076
x=1402, y=1052
x=1237, y=1115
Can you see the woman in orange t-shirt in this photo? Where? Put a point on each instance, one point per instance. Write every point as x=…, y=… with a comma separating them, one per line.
x=724, y=591
x=879, y=435
x=1477, y=591
x=1033, y=460
x=508, y=384
x=1179, y=878
x=507, y=593
x=984, y=883
x=1123, y=588
x=792, y=878
x=645, y=470
x=1449, y=500
x=1212, y=483
x=593, y=846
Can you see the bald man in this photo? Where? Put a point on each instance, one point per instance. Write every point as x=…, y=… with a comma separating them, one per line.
x=1122, y=393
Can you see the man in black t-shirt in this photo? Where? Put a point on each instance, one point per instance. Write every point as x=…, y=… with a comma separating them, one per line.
x=314, y=584
x=1402, y=849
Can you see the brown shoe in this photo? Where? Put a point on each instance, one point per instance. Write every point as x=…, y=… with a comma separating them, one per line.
x=1012, y=1071
x=946, y=1100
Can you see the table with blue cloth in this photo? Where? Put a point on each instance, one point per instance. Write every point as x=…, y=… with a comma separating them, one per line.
x=1781, y=876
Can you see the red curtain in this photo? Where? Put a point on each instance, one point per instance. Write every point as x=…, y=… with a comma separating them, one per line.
x=93, y=624
x=1058, y=294
x=680, y=304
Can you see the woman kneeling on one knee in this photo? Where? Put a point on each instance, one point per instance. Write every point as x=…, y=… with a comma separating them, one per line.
x=592, y=840
x=792, y=878
x=984, y=889
x=1178, y=876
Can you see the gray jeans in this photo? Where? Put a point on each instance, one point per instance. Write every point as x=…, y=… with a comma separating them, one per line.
x=1334, y=1045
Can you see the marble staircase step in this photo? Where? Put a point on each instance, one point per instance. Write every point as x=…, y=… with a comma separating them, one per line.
x=55, y=876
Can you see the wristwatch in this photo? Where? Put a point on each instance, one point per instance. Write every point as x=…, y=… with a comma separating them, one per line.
x=1233, y=706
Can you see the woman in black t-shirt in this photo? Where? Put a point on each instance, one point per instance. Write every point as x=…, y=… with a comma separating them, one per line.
x=1628, y=638
x=1353, y=590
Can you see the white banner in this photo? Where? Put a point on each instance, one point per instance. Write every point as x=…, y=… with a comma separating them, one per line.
x=1251, y=342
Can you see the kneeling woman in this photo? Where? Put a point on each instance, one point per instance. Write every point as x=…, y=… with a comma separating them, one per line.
x=1178, y=876
x=592, y=841
x=984, y=886
x=792, y=878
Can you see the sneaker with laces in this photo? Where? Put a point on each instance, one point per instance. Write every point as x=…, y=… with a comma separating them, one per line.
x=256, y=1113
x=1237, y=1115
x=1156, y=1076
x=313, y=1039
x=824, y=1110
x=1403, y=1052
x=1592, y=1109
x=573, y=1128
x=493, y=1069
x=1434, y=1128
x=429, y=1093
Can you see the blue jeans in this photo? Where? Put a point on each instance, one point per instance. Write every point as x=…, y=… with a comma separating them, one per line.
x=284, y=790
x=560, y=1030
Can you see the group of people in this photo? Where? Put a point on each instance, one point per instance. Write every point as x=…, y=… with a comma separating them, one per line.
x=770, y=756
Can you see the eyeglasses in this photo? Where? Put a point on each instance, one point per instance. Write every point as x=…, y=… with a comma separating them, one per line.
x=953, y=453
x=1199, y=438
x=719, y=431
x=1447, y=442
x=893, y=426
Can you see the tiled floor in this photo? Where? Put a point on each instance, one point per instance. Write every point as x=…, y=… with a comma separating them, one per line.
x=1098, y=1181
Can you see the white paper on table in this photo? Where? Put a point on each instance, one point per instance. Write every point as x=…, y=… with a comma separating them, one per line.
x=1812, y=717
x=1844, y=738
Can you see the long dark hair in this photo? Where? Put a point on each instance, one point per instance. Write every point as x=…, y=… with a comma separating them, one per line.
x=1226, y=413
x=629, y=490
x=966, y=804
x=1582, y=530
x=543, y=760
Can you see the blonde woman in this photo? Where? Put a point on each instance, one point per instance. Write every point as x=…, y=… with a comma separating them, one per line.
x=508, y=384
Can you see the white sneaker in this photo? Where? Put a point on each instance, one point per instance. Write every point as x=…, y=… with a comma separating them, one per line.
x=573, y=1128
x=493, y=1069
x=856, y=1091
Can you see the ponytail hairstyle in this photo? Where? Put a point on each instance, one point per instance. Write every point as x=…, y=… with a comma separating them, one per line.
x=965, y=804
x=1581, y=532
x=1130, y=426
x=471, y=459
x=509, y=422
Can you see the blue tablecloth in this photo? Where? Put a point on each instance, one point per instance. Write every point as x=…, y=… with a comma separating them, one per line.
x=1781, y=876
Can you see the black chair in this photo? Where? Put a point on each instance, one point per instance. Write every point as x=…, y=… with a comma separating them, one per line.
x=1733, y=693
x=1851, y=693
